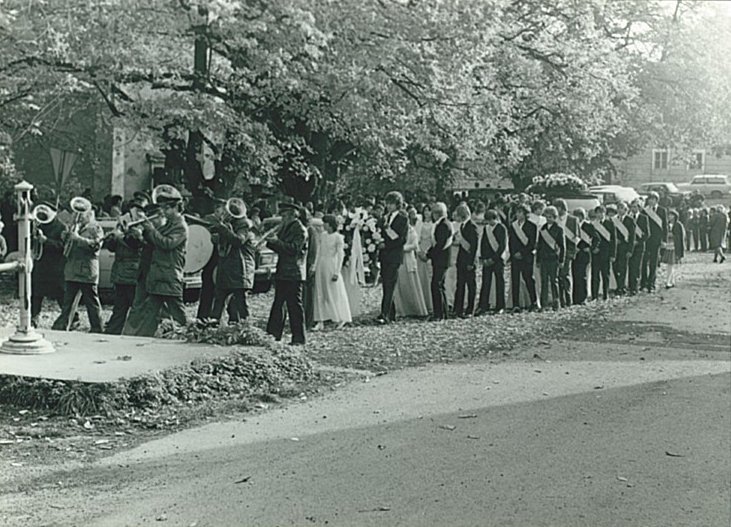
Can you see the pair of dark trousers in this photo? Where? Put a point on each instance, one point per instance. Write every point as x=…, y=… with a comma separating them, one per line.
x=439, y=291
x=466, y=278
x=635, y=268
x=124, y=297
x=565, y=283
x=389, y=278
x=649, y=265
x=488, y=271
x=133, y=317
x=522, y=268
x=90, y=298
x=579, y=274
x=207, y=294
x=287, y=295
x=153, y=310
x=549, y=280
x=600, y=265
x=237, y=308
x=309, y=302
x=620, y=267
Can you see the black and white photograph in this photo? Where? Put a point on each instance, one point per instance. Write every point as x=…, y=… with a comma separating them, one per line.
x=361, y=263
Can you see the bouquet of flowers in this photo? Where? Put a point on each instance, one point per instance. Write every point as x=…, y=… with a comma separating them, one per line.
x=558, y=183
x=348, y=225
x=371, y=236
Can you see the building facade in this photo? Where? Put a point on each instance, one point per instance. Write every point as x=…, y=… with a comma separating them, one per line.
x=664, y=165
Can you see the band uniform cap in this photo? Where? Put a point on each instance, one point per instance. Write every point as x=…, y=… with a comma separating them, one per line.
x=289, y=206
x=142, y=195
x=168, y=194
x=151, y=209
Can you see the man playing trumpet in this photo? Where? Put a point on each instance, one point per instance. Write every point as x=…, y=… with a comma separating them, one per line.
x=82, y=242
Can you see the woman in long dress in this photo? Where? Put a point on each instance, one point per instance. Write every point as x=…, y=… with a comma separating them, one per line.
x=673, y=248
x=409, y=296
x=423, y=266
x=331, y=299
x=354, y=270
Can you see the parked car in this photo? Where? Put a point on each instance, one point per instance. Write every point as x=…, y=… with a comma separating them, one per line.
x=668, y=189
x=587, y=202
x=614, y=193
x=710, y=185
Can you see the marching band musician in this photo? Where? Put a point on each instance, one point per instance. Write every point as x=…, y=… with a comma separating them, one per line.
x=124, y=272
x=164, y=281
x=48, y=268
x=82, y=242
x=236, y=262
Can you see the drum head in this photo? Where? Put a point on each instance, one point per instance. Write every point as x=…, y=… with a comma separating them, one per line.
x=199, y=248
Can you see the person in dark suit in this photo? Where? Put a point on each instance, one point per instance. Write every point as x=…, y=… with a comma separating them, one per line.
x=550, y=255
x=492, y=249
x=624, y=226
x=466, y=258
x=439, y=256
x=583, y=257
x=570, y=226
x=309, y=289
x=637, y=252
x=394, y=229
x=603, y=253
x=658, y=233
x=291, y=245
x=522, y=242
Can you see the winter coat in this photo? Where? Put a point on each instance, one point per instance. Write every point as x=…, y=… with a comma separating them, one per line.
x=717, y=230
x=126, y=264
x=165, y=276
x=48, y=271
x=82, y=262
x=291, y=248
x=237, y=256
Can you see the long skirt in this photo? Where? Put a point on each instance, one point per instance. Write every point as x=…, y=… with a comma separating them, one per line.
x=424, y=272
x=409, y=297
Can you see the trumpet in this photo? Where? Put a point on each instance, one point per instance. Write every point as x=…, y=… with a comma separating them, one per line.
x=124, y=225
x=264, y=237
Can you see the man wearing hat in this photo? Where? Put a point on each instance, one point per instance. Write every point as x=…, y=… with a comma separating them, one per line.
x=125, y=270
x=164, y=281
x=47, y=276
x=657, y=221
x=290, y=244
x=81, y=270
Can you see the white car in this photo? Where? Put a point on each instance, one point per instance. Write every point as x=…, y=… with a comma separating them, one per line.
x=711, y=185
x=614, y=193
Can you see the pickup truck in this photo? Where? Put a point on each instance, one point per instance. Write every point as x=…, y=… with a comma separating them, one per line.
x=709, y=185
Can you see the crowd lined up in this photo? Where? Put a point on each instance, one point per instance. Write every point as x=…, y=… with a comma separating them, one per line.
x=524, y=253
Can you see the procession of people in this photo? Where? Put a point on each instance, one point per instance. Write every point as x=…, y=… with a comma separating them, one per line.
x=510, y=254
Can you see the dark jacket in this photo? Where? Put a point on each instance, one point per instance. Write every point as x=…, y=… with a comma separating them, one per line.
x=168, y=241
x=546, y=253
x=517, y=247
x=48, y=270
x=642, y=231
x=626, y=244
x=291, y=247
x=678, y=234
x=583, y=246
x=571, y=226
x=393, y=249
x=717, y=230
x=601, y=247
x=82, y=263
x=468, y=233
x=443, y=237
x=500, y=232
x=311, y=251
x=236, y=263
x=125, y=268
x=658, y=233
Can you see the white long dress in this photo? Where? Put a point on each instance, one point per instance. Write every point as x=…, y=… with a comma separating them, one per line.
x=354, y=275
x=409, y=297
x=450, y=279
x=331, y=298
x=424, y=268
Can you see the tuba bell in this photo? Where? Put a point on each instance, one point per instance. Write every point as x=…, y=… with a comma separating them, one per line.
x=235, y=208
x=43, y=214
x=79, y=206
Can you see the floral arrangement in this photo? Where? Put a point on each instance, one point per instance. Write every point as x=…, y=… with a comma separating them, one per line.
x=371, y=237
x=558, y=183
x=348, y=224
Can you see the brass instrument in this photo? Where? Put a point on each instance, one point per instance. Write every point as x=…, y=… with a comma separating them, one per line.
x=125, y=223
x=79, y=206
x=264, y=237
x=41, y=214
x=235, y=209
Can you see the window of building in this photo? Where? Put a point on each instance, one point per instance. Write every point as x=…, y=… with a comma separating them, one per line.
x=660, y=159
x=697, y=160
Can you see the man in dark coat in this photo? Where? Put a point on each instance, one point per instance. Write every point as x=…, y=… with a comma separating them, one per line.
x=393, y=231
x=81, y=271
x=466, y=259
x=550, y=255
x=637, y=252
x=438, y=253
x=523, y=235
x=290, y=245
x=236, y=267
x=624, y=226
x=570, y=226
x=603, y=253
x=164, y=282
x=658, y=233
x=124, y=275
x=47, y=279
x=583, y=257
x=492, y=250
x=309, y=289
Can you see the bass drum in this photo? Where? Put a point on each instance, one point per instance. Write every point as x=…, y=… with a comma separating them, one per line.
x=198, y=250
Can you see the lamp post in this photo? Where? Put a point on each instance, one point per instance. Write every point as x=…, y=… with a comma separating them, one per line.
x=25, y=341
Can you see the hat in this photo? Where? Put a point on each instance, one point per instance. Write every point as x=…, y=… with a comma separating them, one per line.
x=135, y=203
x=611, y=207
x=289, y=206
x=151, y=209
x=166, y=194
x=142, y=195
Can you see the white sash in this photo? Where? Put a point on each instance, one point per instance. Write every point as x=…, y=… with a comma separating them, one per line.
x=501, y=214
x=548, y=239
x=602, y=230
x=519, y=233
x=652, y=214
x=569, y=233
x=638, y=230
x=450, y=240
x=494, y=245
x=584, y=236
x=620, y=227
